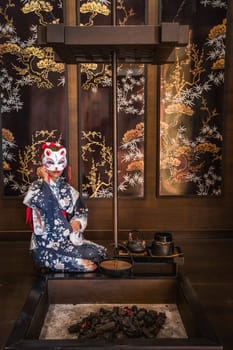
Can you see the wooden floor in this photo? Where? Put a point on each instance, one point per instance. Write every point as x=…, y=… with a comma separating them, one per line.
x=208, y=264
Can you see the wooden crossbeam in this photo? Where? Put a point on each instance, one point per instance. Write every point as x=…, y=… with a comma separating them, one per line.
x=141, y=43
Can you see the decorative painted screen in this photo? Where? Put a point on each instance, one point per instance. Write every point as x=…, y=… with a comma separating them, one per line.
x=32, y=90
x=96, y=110
x=191, y=102
x=33, y=105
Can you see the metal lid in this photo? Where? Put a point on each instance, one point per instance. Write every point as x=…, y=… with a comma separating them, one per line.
x=163, y=237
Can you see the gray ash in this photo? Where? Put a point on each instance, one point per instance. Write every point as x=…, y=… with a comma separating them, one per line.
x=119, y=323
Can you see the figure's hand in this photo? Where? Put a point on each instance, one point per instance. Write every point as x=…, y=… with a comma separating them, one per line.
x=76, y=238
x=43, y=173
x=76, y=225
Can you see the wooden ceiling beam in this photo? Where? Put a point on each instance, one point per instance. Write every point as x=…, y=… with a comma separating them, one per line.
x=142, y=43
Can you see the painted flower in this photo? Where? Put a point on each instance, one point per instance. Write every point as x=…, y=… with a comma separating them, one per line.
x=179, y=108
x=37, y=5
x=218, y=30
x=137, y=165
x=95, y=7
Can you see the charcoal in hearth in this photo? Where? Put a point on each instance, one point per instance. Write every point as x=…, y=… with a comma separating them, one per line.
x=119, y=323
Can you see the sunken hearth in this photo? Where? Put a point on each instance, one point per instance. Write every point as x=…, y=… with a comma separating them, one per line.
x=76, y=296
x=112, y=322
x=119, y=322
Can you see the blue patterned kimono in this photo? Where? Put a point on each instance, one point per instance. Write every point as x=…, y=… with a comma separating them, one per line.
x=54, y=206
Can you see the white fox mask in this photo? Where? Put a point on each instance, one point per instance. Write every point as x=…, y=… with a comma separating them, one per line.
x=54, y=160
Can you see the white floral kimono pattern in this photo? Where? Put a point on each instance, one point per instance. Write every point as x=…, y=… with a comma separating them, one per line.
x=54, y=206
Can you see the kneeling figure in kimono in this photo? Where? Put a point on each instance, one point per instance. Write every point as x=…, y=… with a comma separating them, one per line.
x=59, y=218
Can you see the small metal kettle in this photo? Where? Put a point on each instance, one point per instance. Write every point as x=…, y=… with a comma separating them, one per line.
x=136, y=244
x=163, y=244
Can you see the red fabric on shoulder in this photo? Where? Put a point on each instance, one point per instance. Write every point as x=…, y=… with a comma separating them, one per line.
x=64, y=213
x=29, y=217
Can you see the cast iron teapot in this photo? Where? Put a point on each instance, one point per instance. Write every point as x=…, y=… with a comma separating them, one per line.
x=163, y=244
x=136, y=243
